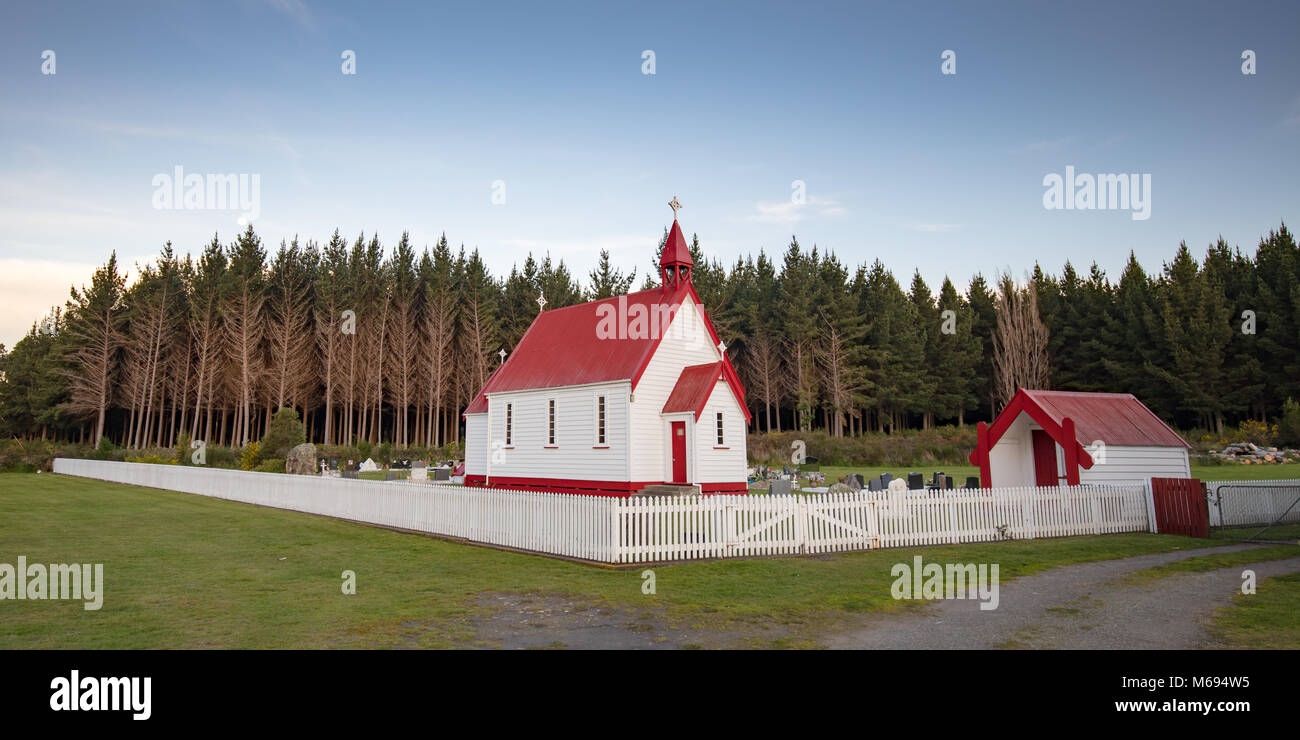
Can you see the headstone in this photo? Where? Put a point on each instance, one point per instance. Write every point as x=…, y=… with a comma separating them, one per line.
x=390, y=475
x=915, y=481
x=947, y=482
x=852, y=483
x=368, y=466
x=898, y=486
x=874, y=485
x=334, y=463
x=780, y=487
x=861, y=481
x=839, y=488
x=301, y=460
x=972, y=482
x=442, y=474
x=419, y=474
x=885, y=478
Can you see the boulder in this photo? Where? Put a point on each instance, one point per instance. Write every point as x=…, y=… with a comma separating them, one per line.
x=852, y=482
x=839, y=488
x=302, y=460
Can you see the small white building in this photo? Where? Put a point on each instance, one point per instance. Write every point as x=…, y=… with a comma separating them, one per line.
x=1049, y=438
x=612, y=396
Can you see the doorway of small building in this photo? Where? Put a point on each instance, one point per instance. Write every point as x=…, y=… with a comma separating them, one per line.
x=1046, y=472
x=679, y=451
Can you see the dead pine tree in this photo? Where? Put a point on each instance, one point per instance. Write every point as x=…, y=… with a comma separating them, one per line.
x=1019, y=343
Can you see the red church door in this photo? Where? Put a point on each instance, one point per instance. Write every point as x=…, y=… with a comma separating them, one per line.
x=679, y=451
x=1045, y=473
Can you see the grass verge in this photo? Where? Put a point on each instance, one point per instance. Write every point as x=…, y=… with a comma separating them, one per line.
x=185, y=571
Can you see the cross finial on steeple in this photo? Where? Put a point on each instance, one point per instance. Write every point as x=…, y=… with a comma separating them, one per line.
x=541, y=302
x=502, y=354
x=673, y=204
x=722, y=346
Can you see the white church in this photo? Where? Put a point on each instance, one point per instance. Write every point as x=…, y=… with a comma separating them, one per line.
x=615, y=397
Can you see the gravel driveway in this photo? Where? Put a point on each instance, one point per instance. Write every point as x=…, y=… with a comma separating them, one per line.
x=1082, y=606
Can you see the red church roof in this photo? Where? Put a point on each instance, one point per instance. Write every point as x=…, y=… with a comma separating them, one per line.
x=675, y=249
x=696, y=384
x=563, y=346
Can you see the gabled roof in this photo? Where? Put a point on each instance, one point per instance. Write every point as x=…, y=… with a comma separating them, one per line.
x=696, y=384
x=1117, y=419
x=675, y=250
x=563, y=347
x=1113, y=418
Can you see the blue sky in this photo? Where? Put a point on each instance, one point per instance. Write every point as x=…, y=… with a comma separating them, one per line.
x=922, y=170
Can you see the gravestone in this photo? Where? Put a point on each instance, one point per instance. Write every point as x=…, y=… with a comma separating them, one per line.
x=419, y=474
x=885, y=478
x=368, y=466
x=875, y=485
x=780, y=487
x=972, y=482
x=390, y=475
x=442, y=474
x=852, y=482
x=915, y=481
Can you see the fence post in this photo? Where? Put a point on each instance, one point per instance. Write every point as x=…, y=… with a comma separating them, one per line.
x=1094, y=496
x=1152, y=526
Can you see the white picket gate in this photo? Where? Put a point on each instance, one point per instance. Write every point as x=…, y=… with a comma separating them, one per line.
x=657, y=529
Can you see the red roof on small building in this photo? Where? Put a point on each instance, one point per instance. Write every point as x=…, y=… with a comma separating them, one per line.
x=1113, y=418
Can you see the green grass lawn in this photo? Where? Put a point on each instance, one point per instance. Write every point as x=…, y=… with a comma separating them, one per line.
x=1215, y=561
x=1265, y=619
x=185, y=571
x=1237, y=471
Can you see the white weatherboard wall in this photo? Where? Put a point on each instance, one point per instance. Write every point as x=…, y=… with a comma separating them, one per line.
x=646, y=529
x=575, y=454
x=1011, y=461
x=476, y=444
x=1137, y=465
x=687, y=342
x=713, y=465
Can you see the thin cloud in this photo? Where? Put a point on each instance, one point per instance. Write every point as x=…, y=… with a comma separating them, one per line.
x=934, y=228
x=788, y=212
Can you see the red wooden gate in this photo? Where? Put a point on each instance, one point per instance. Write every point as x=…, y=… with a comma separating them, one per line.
x=1180, y=507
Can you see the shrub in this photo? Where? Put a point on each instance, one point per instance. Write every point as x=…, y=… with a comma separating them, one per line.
x=284, y=433
x=1288, y=427
x=1257, y=432
x=273, y=465
x=248, y=457
x=940, y=445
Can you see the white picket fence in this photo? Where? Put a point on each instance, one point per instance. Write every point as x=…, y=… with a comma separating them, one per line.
x=1252, y=503
x=558, y=524
x=654, y=529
